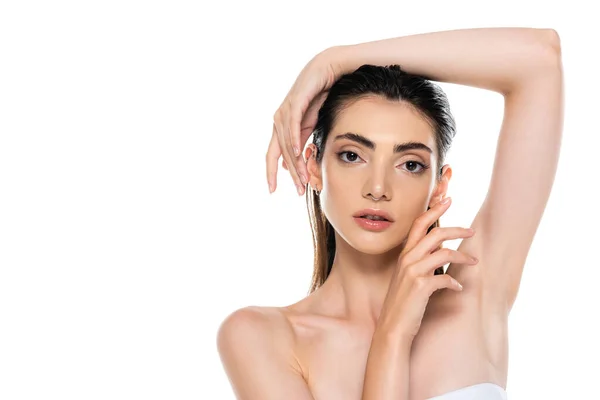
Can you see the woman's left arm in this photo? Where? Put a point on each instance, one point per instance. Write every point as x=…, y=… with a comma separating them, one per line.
x=525, y=66
x=522, y=64
x=497, y=59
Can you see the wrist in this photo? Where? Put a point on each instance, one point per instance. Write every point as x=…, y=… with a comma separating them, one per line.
x=348, y=58
x=393, y=337
x=339, y=59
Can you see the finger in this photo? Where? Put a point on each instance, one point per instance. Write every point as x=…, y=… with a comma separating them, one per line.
x=296, y=111
x=273, y=154
x=423, y=222
x=285, y=149
x=443, y=282
x=295, y=129
x=302, y=170
x=429, y=263
x=294, y=163
x=284, y=165
x=433, y=241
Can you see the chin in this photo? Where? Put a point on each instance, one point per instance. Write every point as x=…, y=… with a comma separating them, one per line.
x=373, y=247
x=367, y=242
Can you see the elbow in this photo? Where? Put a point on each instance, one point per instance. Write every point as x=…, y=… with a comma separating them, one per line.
x=544, y=61
x=553, y=40
x=552, y=46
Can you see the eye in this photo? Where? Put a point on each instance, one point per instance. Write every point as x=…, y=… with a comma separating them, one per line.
x=416, y=164
x=350, y=154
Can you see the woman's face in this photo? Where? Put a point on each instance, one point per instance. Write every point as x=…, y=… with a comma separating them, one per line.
x=404, y=182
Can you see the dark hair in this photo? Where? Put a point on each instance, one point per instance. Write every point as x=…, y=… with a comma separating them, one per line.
x=392, y=83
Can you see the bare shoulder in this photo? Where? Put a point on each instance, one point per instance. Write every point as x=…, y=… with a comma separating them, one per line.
x=256, y=346
x=254, y=325
x=255, y=317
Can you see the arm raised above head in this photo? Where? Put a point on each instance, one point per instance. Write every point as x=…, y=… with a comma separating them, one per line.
x=525, y=66
x=496, y=59
x=256, y=351
x=525, y=165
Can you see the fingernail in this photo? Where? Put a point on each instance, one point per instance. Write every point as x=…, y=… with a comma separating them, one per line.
x=460, y=286
x=446, y=200
x=270, y=188
x=303, y=179
x=296, y=151
x=299, y=189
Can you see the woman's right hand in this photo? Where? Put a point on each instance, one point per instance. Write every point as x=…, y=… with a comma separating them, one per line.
x=414, y=280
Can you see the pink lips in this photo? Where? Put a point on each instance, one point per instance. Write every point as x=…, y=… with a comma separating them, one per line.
x=371, y=225
x=373, y=211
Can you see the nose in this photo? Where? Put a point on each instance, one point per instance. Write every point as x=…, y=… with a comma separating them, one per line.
x=377, y=186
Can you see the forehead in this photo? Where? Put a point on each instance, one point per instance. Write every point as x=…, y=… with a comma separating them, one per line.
x=384, y=121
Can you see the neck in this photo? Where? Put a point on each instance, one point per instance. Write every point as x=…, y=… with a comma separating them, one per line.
x=357, y=285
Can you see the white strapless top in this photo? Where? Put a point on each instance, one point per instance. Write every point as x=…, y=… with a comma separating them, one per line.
x=481, y=391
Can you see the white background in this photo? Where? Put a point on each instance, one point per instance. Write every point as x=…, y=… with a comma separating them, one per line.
x=134, y=209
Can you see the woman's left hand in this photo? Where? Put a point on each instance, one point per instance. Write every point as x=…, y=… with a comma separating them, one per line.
x=296, y=117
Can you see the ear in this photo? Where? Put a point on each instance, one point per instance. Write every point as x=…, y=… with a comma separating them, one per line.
x=442, y=187
x=314, y=169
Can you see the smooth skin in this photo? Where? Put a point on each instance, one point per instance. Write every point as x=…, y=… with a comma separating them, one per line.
x=354, y=338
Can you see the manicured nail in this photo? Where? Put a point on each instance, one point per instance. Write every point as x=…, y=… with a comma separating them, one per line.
x=296, y=151
x=299, y=187
x=446, y=200
x=270, y=188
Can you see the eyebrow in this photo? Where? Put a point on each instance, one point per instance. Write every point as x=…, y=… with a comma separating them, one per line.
x=398, y=148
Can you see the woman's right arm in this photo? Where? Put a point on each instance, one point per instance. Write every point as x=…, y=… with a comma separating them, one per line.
x=413, y=282
x=255, y=347
x=388, y=366
x=259, y=366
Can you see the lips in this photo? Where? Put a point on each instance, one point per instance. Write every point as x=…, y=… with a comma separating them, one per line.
x=372, y=225
x=374, y=215
x=374, y=218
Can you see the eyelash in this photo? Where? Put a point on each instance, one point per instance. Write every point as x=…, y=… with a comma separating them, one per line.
x=424, y=167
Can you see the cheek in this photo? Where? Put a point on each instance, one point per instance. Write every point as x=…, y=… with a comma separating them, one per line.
x=336, y=200
x=337, y=187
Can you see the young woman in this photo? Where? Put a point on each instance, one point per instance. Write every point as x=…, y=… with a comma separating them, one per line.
x=382, y=319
